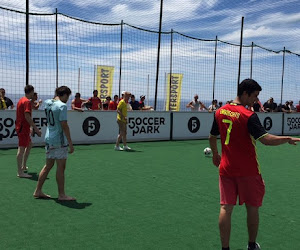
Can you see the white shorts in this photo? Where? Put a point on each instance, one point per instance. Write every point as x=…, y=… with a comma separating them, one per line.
x=56, y=152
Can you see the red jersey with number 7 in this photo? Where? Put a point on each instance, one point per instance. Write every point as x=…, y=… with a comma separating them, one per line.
x=239, y=129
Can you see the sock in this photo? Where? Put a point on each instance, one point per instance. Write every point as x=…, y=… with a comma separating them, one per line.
x=225, y=248
x=251, y=245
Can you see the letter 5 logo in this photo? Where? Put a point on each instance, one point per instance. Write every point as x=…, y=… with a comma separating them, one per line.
x=91, y=126
x=194, y=124
x=268, y=123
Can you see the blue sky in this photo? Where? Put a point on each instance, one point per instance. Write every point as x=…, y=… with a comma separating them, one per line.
x=270, y=23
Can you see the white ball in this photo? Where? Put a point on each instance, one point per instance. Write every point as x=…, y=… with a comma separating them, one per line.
x=207, y=151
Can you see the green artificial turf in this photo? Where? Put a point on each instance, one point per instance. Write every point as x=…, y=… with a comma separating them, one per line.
x=163, y=195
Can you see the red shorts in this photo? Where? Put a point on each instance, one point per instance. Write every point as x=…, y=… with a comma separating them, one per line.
x=249, y=189
x=24, y=139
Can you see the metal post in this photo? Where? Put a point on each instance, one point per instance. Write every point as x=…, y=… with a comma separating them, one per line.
x=121, y=52
x=56, y=29
x=251, y=65
x=95, y=81
x=215, y=67
x=171, y=65
x=27, y=42
x=241, y=48
x=282, y=76
x=158, y=52
x=78, y=80
x=148, y=80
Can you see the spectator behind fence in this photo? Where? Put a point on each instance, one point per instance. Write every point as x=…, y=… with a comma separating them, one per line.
x=114, y=104
x=196, y=105
x=292, y=107
x=78, y=102
x=95, y=100
x=214, y=106
x=35, y=104
x=298, y=107
x=134, y=103
x=270, y=105
x=8, y=102
x=257, y=106
x=286, y=107
x=2, y=102
x=106, y=103
x=142, y=104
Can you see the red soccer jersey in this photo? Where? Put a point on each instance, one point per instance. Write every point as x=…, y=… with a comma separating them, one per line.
x=113, y=105
x=96, y=103
x=298, y=108
x=23, y=106
x=78, y=103
x=238, y=129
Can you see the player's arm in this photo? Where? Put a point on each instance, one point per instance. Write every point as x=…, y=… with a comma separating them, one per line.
x=32, y=124
x=201, y=103
x=66, y=129
x=75, y=108
x=189, y=105
x=213, y=143
x=274, y=140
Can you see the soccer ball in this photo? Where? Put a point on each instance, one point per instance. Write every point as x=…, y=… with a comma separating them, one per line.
x=207, y=151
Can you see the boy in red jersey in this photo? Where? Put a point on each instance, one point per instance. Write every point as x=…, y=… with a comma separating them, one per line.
x=114, y=104
x=23, y=124
x=239, y=170
x=95, y=100
x=78, y=102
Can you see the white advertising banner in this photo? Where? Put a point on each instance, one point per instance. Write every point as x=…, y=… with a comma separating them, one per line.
x=291, y=124
x=272, y=122
x=191, y=125
x=148, y=126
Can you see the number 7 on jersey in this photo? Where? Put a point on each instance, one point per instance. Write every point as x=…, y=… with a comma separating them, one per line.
x=228, y=130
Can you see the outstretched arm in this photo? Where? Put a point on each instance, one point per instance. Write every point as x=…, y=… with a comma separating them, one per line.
x=274, y=140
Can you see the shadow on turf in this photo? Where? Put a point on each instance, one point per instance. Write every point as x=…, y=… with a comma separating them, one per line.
x=133, y=151
x=72, y=204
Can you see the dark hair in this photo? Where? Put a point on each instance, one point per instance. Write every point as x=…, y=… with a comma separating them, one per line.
x=108, y=98
x=95, y=91
x=132, y=96
x=63, y=90
x=77, y=95
x=248, y=85
x=28, y=89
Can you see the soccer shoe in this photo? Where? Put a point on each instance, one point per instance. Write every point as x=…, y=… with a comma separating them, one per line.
x=257, y=247
x=118, y=148
x=126, y=148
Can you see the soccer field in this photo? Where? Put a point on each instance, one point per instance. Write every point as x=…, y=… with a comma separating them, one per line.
x=163, y=195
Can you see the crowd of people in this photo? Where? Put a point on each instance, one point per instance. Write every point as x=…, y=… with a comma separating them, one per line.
x=268, y=106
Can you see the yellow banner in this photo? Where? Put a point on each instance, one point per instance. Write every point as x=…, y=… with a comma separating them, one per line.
x=174, y=92
x=105, y=75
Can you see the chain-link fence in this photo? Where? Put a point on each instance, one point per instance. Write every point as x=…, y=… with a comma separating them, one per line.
x=66, y=51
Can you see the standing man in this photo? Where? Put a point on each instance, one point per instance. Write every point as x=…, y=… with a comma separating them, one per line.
x=57, y=139
x=24, y=123
x=95, y=100
x=8, y=101
x=240, y=173
x=114, y=104
x=122, y=122
x=196, y=105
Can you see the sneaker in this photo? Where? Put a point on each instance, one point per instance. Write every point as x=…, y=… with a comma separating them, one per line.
x=118, y=148
x=257, y=247
x=126, y=148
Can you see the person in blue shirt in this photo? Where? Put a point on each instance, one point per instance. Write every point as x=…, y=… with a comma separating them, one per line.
x=58, y=139
x=134, y=104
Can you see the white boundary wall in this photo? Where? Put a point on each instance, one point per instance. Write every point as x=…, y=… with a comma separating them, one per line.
x=100, y=127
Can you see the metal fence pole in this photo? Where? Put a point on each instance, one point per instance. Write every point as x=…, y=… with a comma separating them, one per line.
x=240, y=57
x=282, y=75
x=56, y=30
x=251, y=62
x=171, y=68
x=121, y=52
x=158, y=53
x=27, y=42
x=215, y=67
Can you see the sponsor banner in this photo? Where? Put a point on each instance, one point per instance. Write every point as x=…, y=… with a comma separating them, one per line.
x=191, y=125
x=291, y=124
x=105, y=76
x=272, y=122
x=148, y=126
x=174, y=92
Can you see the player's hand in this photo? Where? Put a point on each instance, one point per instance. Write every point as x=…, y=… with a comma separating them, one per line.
x=293, y=140
x=216, y=160
x=71, y=149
